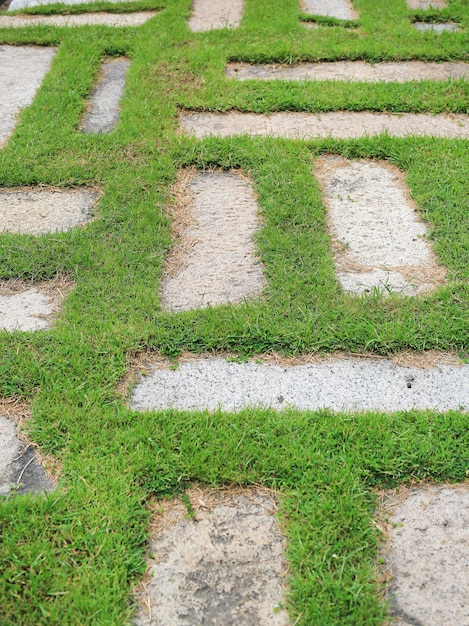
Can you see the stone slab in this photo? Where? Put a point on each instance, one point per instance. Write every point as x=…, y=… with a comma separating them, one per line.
x=214, y=259
x=17, y=5
x=117, y=20
x=27, y=310
x=20, y=470
x=356, y=71
x=22, y=70
x=340, y=9
x=428, y=555
x=103, y=112
x=423, y=5
x=36, y=211
x=338, y=125
x=215, y=14
x=443, y=27
x=339, y=384
x=379, y=239
x=223, y=566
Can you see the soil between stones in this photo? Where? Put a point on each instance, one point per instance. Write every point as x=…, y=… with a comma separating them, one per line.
x=224, y=565
x=427, y=554
x=400, y=72
x=339, y=125
x=214, y=14
x=214, y=260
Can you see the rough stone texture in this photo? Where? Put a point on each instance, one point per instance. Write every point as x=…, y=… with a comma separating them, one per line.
x=436, y=28
x=215, y=253
x=428, y=554
x=339, y=125
x=103, y=112
x=36, y=211
x=340, y=9
x=83, y=19
x=22, y=70
x=16, y=5
x=426, y=4
x=223, y=567
x=341, y=384
x=27, y=310
x=379, y=239
x=214, y=14
x=400, y=72
x=19, y=468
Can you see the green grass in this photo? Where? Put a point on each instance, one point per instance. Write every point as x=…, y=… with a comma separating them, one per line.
x=73, y=556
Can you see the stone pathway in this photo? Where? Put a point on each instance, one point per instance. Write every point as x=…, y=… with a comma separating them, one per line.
x=214, y=260
x=340, y=9
x=103, y=111
x=83, y=19
x=215, y=14
x=359, y=71
x=339, y=125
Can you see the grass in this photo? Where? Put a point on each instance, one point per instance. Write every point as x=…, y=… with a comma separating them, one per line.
x=73, y=556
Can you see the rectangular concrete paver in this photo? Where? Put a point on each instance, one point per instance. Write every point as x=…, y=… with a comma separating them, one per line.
x=427, y=554
x=214, y=260
x=22, y=70
x=400, y=72
x=340, y=384
x=340, y=9
x=339, y=125
x=17, y=5
x=426, y=4
x=82, y=19
x=103, y=112
x=379, y=239
x=215, y=14
x=442, y=27
x=36, y=211
x=225, y=566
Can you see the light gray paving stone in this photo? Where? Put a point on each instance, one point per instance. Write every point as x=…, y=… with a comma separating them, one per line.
x=340, y=9
x=426, y=4
x=339, y=384
x=428, y=555
x=379, y=238
x=20, y=470
x=84, y=19
x=22, y=70
x=27, y=310
x=444, y=27
x=224, y=566
x=214, y=260
x=103, y=112
x=215, y=14
x=339, y=125
x=36, y=211
x=399, y=72
x=17, y=5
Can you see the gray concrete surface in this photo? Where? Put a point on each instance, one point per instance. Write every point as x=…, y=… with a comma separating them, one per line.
x=215, y=14
x=103, y=111
x=437, y=28
x=339, y=125
x=340, y=9
x=27, y=310
x=85, y=19
x=428, y=554
x=342, y=384
x=379, y=238
x=223, y=567
x=399, y=72
x=214, y=260
x=22, y=70
x=19, y=468
x=16, y=5
x=426, y=4
x=36, y=211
